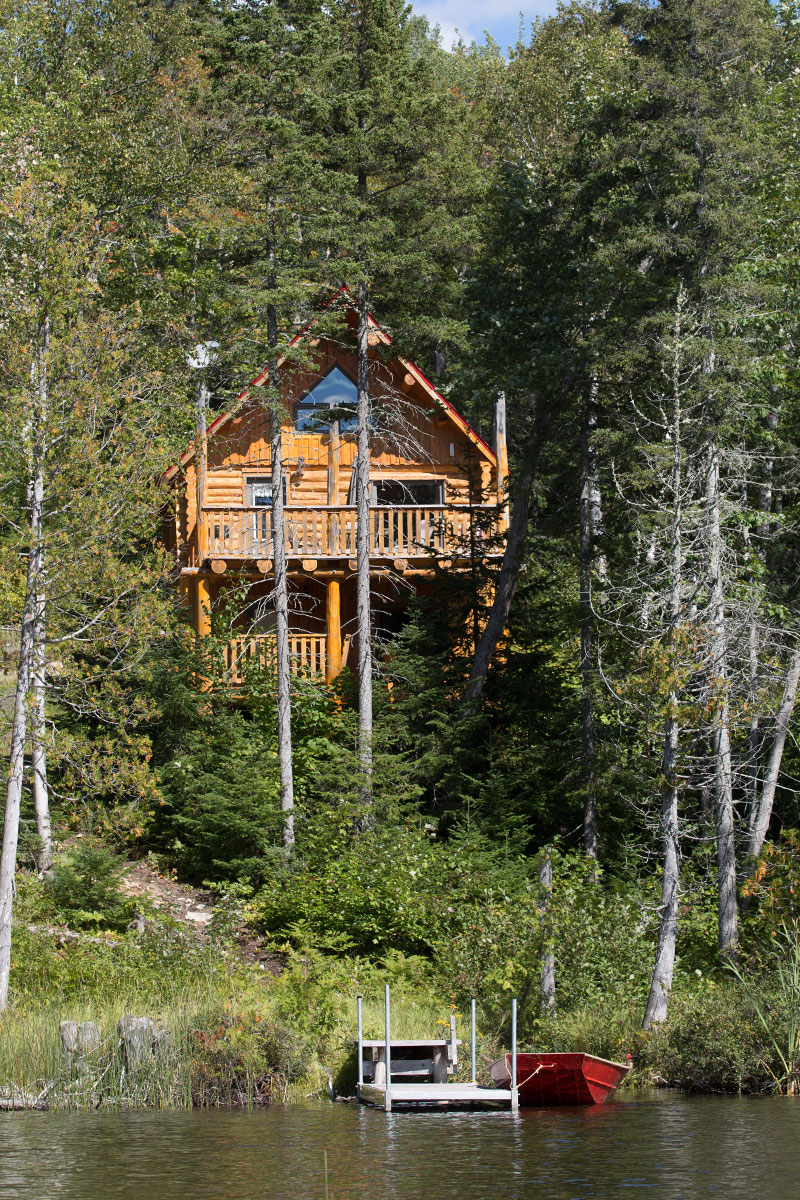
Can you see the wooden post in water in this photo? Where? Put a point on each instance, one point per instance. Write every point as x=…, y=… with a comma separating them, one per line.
x=388, y=1094
x=514, y=1089
x=472, y=1039
x=360, y=1044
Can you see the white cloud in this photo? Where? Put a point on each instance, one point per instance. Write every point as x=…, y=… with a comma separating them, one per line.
x=472, y=18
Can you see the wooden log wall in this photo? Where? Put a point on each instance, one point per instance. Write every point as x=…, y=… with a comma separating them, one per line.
x=426, y=445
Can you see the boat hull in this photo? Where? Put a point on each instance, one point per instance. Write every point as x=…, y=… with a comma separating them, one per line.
x=552, y=1080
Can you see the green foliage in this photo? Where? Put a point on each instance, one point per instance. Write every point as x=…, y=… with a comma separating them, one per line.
x=779, y=1013
x=712, y=1042
x=85, y=888
x=527, y=225
x=366, y=886
x=246, y=1059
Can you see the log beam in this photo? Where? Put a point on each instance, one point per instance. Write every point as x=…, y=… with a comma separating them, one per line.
x=202, y=615
x=333, y=630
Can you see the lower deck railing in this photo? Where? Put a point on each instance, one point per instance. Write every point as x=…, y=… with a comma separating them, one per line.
x=307, y=654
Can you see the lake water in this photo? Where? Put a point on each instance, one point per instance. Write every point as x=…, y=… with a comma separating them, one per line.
x=663, y=1145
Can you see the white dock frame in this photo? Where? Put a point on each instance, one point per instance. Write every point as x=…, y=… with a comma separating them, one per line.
x=384, y=1092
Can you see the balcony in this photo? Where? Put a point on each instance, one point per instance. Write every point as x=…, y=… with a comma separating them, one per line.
x=400, y=532
x=308, y=655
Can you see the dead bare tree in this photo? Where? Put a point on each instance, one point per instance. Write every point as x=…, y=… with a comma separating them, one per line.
x=664, y=965
x=19, y=724
x=281, y=586
x=761, y=810
x=363, y=505
x=547, y=978
x=590, y=528
x=727, y=910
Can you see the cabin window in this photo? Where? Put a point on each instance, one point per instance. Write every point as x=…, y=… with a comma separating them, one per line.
x=334, y=398
x=420, y=493
x=258, y=491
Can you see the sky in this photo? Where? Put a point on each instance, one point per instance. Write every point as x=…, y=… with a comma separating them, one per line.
x=471, y=18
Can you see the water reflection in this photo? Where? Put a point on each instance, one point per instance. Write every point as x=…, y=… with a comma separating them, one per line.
x=670, y=1147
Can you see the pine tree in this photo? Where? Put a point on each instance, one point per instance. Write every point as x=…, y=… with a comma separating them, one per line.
x=390, y=158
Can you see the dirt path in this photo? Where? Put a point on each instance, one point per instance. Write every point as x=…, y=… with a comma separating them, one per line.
x=194, y=907
x=174, y=899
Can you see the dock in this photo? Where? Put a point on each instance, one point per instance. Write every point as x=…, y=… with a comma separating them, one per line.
x=413, y=1073
x=441, y=1095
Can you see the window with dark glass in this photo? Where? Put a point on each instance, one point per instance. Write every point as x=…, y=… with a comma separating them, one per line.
x=334, y=398
x=421, y=493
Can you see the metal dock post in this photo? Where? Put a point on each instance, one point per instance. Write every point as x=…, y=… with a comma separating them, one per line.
x=388, y=1100
x=360, y=1046
x=514, y=1088
x=472, y=1038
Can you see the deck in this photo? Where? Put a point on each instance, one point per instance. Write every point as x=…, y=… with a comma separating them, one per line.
x=413, y=1072
x=239, y=533
x=442, y=1095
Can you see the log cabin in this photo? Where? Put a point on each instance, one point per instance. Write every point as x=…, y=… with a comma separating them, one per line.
x=436, y=487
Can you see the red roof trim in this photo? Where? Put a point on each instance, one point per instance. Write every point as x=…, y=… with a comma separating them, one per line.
x=406, y=362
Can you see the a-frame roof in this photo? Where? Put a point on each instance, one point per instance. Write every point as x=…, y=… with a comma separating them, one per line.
x=423, y=384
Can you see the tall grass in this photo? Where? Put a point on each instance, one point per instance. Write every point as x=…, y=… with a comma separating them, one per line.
x=33, y=1061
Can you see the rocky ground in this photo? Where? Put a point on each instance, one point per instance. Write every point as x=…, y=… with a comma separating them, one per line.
x=193, y=907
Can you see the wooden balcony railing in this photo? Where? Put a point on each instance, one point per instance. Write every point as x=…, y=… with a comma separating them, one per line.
x=394, y=532
x=308, y=654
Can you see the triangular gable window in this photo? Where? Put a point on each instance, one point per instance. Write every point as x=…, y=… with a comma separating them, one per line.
x=334, y=397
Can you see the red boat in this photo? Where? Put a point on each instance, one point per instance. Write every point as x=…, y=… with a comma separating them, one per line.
x=547, y=1080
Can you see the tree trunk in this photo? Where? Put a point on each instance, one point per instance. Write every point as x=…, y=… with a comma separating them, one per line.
x=664, y=966
x=280, y=593
x=760, y=816
x=363, y=613
x=590, y=525
x=547, y=979
x=663, y=969
x=8, y=854
x=755, y=739
x=38, y=673
x=38, y=667
x=754, y=729
x=512, y=559
x=727, y=913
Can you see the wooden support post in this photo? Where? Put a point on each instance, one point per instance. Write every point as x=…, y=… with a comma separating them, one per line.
x=333, y=631
x=333, y=463
x=185, y=591
x=202, y=621
x=501, y=451
x=440, y=1065
x=472, y=1038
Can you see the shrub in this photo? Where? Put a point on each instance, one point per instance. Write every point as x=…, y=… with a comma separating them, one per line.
x=712, y=1042
x=249, y=1059
x=85, y=888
